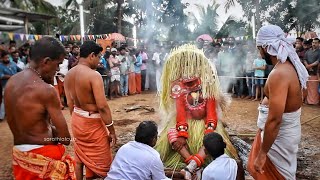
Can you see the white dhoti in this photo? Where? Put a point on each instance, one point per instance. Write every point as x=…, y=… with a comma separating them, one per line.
x=158, y=78
x=115, y=75
x=283, y=152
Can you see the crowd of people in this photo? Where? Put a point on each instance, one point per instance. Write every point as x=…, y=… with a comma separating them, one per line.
x=244, y=72
x=128, y=71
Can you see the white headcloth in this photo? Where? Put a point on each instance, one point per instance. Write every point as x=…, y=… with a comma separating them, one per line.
x=273, y=37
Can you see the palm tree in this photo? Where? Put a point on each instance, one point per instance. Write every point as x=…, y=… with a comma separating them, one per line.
x=229, y=4
x=39, y=6
x=207, y=22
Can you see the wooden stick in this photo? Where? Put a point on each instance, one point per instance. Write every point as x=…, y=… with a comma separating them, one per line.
x=310, y=119
x=175, y=175
x=148, y=109
x=240, y=134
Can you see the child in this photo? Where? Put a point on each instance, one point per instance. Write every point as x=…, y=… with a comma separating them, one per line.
x=259, y=70
x=222, y=167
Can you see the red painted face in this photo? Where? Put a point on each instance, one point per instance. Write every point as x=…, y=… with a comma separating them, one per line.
x=184, y=86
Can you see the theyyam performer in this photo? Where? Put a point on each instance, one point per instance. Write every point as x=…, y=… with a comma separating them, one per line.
x=190, y=101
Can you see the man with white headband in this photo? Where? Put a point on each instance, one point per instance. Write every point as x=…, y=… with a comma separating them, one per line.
x=274, y=150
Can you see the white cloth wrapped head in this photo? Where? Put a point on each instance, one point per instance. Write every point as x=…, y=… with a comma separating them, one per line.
x=273, y=37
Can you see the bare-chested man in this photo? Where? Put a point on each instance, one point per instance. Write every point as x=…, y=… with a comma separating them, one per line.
x=33, y=113
x=92, y=125
x=274, y=151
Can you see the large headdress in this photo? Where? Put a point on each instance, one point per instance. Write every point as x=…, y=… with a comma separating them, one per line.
x=188, y=61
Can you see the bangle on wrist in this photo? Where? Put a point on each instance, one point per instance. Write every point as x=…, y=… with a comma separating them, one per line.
x=108, y=125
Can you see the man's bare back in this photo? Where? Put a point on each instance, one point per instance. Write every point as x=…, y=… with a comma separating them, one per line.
x=85, y=90
x=292, y=94
x=32, y=106
x=79, y=89
x=25, y=99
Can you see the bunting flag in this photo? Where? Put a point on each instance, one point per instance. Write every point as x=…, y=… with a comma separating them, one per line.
x=10, y=36
x=21, y=37
x=77, y=37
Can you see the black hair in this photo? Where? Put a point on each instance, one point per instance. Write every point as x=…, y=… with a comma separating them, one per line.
x=122, y=48
x=133, y=51
x=46, y=47
x=12, y=42
x=214, y=144
x=14, y=52
x=74, y=46
x=146, y=132
x=217, y=44
x=89, y=47
x=106, y=55
x=317, y=39
x=307, y=42
x=3, y=53
x=300, y=38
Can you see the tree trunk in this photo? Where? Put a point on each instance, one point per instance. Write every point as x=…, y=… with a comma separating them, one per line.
x=258, y=20
x=120, y=13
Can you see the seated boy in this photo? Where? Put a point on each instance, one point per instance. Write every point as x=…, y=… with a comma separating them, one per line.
x=222, y=167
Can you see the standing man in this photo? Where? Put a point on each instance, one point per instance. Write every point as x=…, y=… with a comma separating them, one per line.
x=144, y=79
x=274, y=150
x=7, y=70
x=38, y=126
x=16, y=58
x=137, y=71
x=131, y=76
x=311, y=61
x=158, y=60
x=91, y=121
x=73, y=60
x=124, y=69
x=115, y=73
x=60, y=80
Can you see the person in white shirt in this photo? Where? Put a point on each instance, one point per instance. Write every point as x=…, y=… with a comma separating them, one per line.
x=17, y=60
x=59, y=80
x=222, y=167
x=137, y=159
x=158, y=59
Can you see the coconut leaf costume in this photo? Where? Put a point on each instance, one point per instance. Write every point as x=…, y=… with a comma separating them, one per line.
x=190, y=101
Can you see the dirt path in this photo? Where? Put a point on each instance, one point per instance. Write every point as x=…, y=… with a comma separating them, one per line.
x=240, y=119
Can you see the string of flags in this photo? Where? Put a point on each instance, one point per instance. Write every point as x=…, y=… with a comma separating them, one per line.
x=25, y=37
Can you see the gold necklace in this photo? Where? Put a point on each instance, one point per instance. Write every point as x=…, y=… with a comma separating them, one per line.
x=37, y=72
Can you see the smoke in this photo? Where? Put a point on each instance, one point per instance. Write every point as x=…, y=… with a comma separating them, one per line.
x=232, y=63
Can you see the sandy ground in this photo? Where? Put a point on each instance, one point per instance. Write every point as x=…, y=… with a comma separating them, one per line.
x=240, y=119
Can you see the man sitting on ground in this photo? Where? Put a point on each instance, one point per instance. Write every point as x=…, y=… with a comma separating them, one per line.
x=222, y=167
x=137, y=159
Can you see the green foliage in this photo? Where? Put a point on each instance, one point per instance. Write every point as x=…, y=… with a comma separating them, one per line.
x=233, y=28
x=207, y=23
x=301, y=15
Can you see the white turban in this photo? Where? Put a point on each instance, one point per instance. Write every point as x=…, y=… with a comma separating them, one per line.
x=273, y=38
